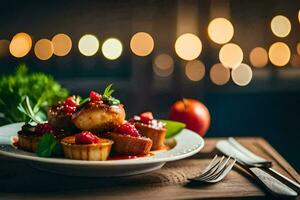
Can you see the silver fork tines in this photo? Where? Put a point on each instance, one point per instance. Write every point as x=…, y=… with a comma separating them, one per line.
x=216, y=170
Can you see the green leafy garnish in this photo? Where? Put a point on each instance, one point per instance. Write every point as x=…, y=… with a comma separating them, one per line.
x=42, y=90
x=32, y=114
x=106, y=96
x=48, y=146
x=173, y=127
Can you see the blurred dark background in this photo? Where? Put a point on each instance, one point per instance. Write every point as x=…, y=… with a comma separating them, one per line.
x=269, y=106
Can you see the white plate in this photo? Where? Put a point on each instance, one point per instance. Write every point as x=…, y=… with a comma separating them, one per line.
x=188, y=143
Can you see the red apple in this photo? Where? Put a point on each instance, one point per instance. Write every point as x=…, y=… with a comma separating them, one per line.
x=193, y=113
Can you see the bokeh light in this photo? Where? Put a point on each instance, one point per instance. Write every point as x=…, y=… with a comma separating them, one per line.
x=219, y=74
x=163, y=65
x=279, y=54
x=220, y=30
x=242, y=75
x=231, y=55
x=298, y=48
x=295, y=60
x=258, y=57
x=195, y=70
x=141, y=44
x=163, y=62
x=4, y=48
x=62, y=44
x=280, y=26
x=20, y=45
x=88, y=45
x=43, y=49
x=299, y=16
x=112, y=48
x=188, y=46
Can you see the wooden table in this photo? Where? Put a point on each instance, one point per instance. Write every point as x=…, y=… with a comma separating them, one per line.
x=19, y=181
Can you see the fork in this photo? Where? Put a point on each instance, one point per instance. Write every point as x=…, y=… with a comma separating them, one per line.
x=216, y=170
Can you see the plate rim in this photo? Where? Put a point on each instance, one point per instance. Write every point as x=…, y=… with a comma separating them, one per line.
x=143, y=160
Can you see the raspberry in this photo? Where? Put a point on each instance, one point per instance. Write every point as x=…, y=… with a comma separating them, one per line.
x=94, y=96
x=44, y=128
x=146, y=117
x=70, y=105
x=128, y=129
x=86, y=137
x=70, y=109
x=70, y=101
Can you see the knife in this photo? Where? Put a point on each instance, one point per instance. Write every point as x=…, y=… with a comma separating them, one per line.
x=272, y=184
x=265, y=164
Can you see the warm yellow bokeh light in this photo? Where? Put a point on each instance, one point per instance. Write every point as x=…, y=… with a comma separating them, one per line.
x=298, y=48
x=4, y=48
x=258, y=57
x=141, y=44
x=220, y=30
x=242, y=75
x=88, y=45
x=299, y=16
x=163, y=65
x=219, y=74
x=163, y=62
x=280, y=26
x=195, y=70
x=279, y=54
x=62, y=44
x=20, y=45
x=43, y=49
x=112, y=48
x=231, y=55
x=295, y=60
x=188, y=46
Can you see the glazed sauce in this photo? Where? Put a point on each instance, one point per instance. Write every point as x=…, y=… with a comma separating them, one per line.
x=127, y=157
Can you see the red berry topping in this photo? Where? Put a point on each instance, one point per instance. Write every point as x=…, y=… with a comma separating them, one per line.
x=128, y=129
x=70, y=101
x=44, y=128
x=94, y=96
x=70, y=105
x=86, y=137
x=146, y=117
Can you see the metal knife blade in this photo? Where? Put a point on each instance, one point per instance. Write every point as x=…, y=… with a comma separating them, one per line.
x=273, y=185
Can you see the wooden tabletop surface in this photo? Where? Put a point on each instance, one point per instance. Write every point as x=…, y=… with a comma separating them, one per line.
x=20, y=181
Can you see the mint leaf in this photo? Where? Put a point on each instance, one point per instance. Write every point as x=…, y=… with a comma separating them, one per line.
x=108, y=91
x=107, y=98
x=46, y=146
x=173, y=127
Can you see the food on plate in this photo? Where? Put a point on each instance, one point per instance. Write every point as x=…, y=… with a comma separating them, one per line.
x=30, y=136
x=128, y=141
x=193, y=113
x=92, y=129
x=101, y=113
x=151, y=128
x=86, y=146
x=60, y=115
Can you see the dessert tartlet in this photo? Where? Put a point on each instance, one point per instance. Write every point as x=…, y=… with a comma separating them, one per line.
x=99, y=114
x=151, y=128
x=60, y=115
x=29, y=136
x=86, y=146
x=128, y=141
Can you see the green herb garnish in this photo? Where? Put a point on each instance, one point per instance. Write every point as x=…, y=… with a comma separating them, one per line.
x=48, y=146
x=173, y=127
x=33, y=115
x=107, y=98
x=42, y=90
